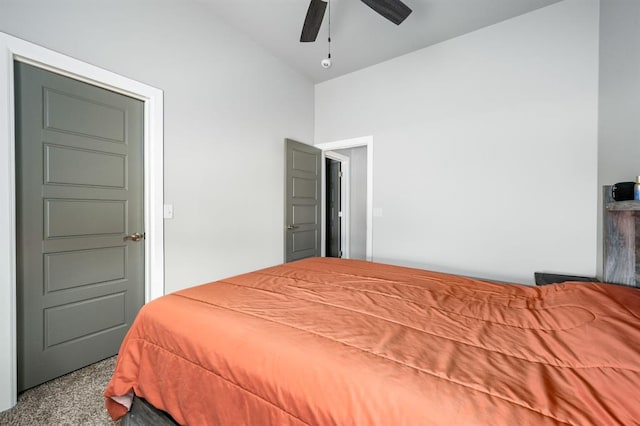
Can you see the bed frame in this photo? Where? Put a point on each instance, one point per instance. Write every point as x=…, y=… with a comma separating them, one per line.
x=143, y=414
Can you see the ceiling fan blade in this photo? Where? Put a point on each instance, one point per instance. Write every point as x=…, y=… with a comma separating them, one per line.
x=312, y=22
x=393, y=10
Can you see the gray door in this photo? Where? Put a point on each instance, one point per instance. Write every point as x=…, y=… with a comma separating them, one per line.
x=79, y=183
x=333, y=203
x=303, y=201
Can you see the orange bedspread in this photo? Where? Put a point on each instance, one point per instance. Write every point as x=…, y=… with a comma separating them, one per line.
x=341, y=342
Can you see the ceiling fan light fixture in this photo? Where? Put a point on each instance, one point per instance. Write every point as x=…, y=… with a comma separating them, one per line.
x=326, y=62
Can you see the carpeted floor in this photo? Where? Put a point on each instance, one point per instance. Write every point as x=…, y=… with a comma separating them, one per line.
x=73, y=399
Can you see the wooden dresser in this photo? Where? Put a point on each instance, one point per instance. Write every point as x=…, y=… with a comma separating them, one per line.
x=621, y=227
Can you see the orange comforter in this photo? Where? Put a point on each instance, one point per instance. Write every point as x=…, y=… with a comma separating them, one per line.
x=341, y=342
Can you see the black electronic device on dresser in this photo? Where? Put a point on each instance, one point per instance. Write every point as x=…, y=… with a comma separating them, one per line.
x=622, y=191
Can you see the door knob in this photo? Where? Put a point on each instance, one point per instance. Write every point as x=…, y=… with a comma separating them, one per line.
x=292, y=226
x=134, y=237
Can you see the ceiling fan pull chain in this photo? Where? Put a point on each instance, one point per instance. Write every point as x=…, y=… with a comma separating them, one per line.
x=329, y=28
x=326, y=63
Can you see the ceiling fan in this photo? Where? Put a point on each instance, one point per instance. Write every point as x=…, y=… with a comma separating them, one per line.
x=394, y=10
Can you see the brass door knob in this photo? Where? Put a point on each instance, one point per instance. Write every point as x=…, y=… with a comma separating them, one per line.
x=134, y=237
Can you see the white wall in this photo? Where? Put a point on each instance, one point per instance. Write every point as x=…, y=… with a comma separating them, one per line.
x=486, y=146
x=228, y=107
x=619, y=113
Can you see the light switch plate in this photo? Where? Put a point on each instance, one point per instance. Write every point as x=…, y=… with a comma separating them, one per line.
x=168, y=211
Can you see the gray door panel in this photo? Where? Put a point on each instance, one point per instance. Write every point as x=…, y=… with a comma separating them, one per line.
x=69, y=269
x=303, y=201
x=99, y=168
x=79, y=191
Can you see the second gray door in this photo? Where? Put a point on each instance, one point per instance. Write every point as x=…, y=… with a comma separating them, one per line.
x=303, y=200
x=79, y=190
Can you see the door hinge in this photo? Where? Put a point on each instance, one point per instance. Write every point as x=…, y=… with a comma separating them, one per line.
x=340, y=174
x=340, y=253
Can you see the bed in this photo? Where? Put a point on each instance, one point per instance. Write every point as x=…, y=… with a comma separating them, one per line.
x=326, y=341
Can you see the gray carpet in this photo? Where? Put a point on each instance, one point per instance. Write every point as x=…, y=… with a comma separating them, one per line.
x=73, y=399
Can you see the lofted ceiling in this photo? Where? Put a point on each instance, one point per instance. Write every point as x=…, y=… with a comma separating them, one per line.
x=360, y=37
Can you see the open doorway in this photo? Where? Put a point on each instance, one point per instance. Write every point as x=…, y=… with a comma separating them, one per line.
x=356, y=160
x=336, y=196
x=333, y=213
x=354, y=201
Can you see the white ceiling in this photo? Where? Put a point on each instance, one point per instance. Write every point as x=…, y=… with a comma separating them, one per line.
x=360, y=37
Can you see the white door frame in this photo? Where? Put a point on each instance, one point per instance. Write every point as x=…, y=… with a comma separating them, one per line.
x=345, y=200
x=14, y=49
x=366, y=141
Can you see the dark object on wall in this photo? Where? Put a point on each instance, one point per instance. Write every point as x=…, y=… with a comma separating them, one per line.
x=622, y=191
x=543, y=278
